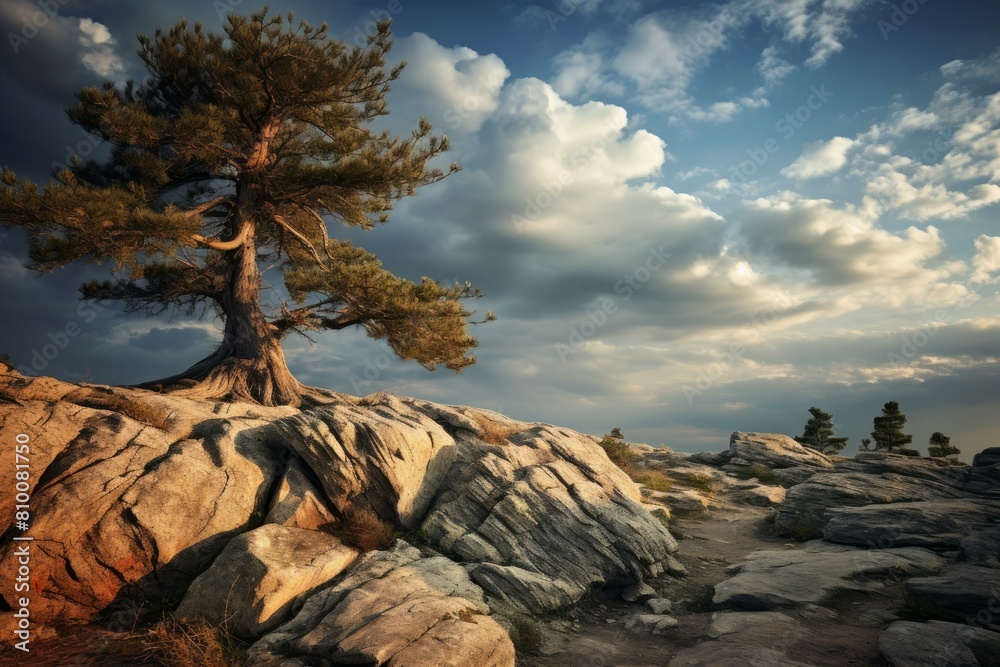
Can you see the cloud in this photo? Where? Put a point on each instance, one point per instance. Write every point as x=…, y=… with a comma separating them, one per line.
x=773, y=68
x=986, y=261
x=664, y=51
x=841, y=252
x=457, y=88
x=99, y=55
x=581, y=71
x=820, y=159
x=826, y=23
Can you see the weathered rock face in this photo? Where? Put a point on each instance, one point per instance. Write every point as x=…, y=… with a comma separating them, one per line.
x=967, y=593
x=988, y=457
x=772, y=450
x=139, y=506
x=811, y=575
x=262, y=575
x=908, y=644
x=393, y=608
x=548, y=517
x=763, y=496
x=878, y=478
x=115, y=499
x=938, y=524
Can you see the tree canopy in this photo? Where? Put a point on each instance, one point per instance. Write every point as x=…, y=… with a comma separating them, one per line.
x=888, y=434
x=939, y=445
x=818, y=433
x=228, y=165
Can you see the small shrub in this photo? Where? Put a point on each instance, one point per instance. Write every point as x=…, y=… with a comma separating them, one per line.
x=172, y=643
x=618, y=451
x=525, y=635
x=761, y=473
x=359, y=527
x=655, y=480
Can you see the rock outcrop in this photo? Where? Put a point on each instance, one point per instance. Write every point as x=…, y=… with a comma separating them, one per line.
x=138, y=496
x=815, y=573
x=771, y=450
x=262, y=575
x=394, y=607
x=908, y=644
x=876, y=478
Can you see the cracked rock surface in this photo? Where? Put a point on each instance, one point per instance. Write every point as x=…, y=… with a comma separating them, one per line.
x=144, y=496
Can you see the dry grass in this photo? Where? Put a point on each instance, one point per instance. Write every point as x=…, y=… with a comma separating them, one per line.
x=495, y=433
x=172, y=643
x=654, y=480
x=761, y=473
x=697, y=480
x=360, y=527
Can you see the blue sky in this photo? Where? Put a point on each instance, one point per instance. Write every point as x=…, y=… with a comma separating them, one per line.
x=690, y=219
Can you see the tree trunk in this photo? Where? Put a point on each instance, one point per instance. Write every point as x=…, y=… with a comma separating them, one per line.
x=249, y=364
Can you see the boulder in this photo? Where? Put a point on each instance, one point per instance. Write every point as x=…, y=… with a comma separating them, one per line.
x=939, y=644
x=657, y=624
x=806, y=508
x=392, y=607
x=117, y=497
x=638, y=593
x=968, y=593
x=981, y=545
x=548, y=503
x=659, y=605
x=939, y=524
x=525, y=591
x=297, y=502
x=877, y=478
x=261, y=576
x=988, y=457
x=685, y=501
x=772, y=450
x=816, y=572
x=762, y=496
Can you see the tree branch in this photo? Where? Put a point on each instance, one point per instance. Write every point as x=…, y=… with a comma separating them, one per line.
x=298, y=236
x=322, y=227
x=217, y=244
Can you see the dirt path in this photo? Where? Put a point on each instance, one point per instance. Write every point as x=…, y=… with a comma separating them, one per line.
x=593, y=635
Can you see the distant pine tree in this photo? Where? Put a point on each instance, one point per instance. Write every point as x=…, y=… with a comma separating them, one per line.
x=818, y=433
x=940, y=446
x=888, y=433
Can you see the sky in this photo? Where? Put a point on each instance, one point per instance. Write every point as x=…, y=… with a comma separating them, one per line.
x=690, y=219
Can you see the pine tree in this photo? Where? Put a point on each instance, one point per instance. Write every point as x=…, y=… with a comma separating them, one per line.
x=940, y=446
x=818, y=433
x=234, y=157
x=888, y=433
x=866, y=444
